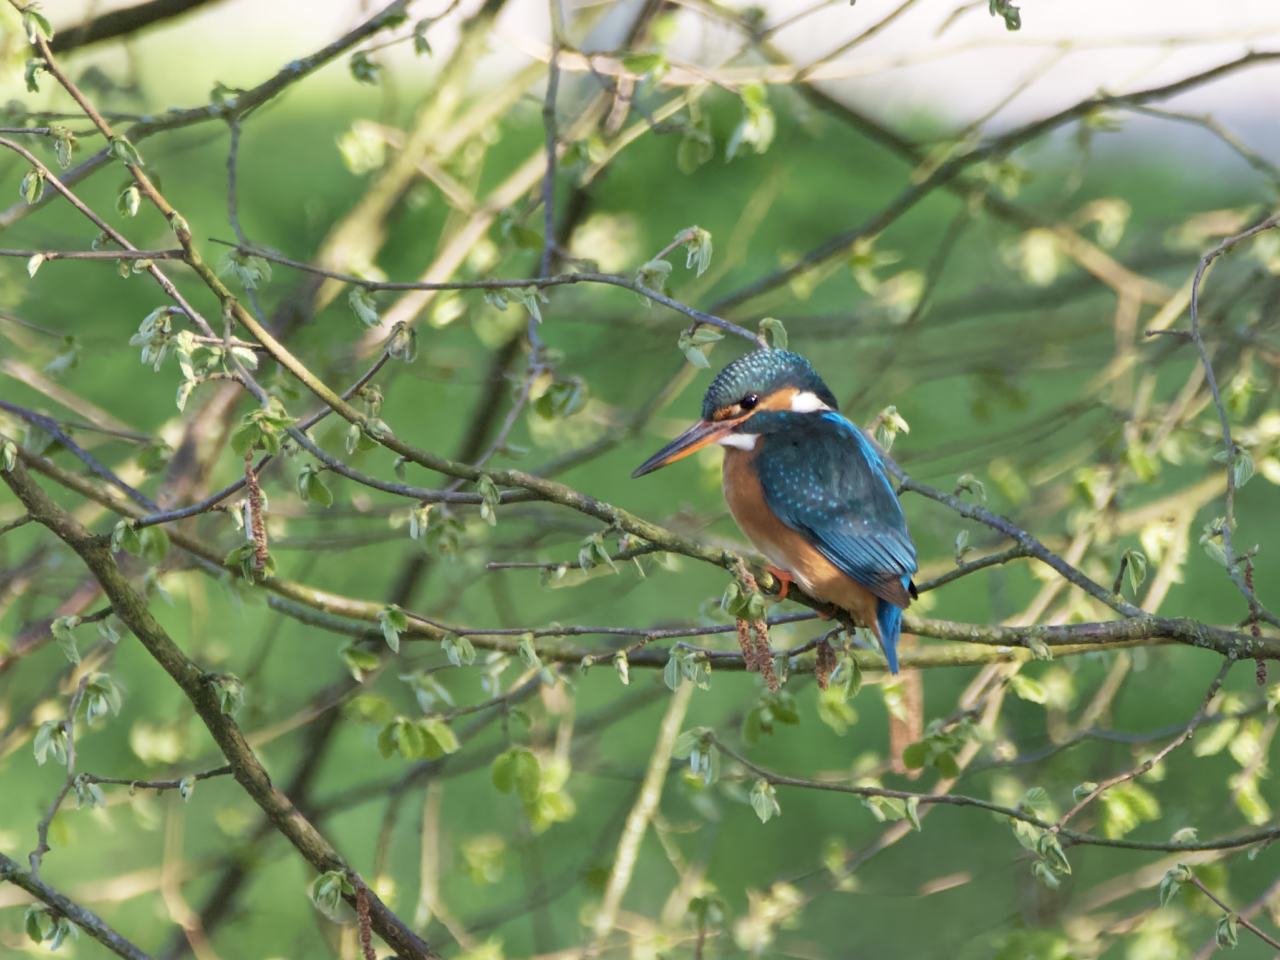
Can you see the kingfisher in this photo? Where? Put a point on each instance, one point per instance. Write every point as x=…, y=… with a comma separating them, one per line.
x=808, y=488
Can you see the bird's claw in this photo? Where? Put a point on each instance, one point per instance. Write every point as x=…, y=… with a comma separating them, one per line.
x=783, y=577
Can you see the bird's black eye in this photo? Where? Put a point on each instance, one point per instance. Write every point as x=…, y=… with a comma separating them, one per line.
x=749, y=401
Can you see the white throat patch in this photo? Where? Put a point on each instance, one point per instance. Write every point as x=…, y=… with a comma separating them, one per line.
x=742, y=441
x=807, y=402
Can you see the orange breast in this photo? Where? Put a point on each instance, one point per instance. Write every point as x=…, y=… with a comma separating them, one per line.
x=786, y=549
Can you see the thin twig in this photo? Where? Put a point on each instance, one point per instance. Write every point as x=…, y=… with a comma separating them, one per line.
x=1272, y=941
x=156, y=784
x=1164, y=751
x=50, y=426
x=60, y=905
x=541, y=283
x=42, y=831
x=1227, y=441
x=96, y=254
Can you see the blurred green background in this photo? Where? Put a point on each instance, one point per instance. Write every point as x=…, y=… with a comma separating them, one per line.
x=989, y=376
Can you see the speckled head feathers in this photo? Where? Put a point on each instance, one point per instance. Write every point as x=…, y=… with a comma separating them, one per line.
x=764, y=372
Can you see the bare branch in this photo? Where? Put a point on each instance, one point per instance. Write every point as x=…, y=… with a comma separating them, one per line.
x=86, y=920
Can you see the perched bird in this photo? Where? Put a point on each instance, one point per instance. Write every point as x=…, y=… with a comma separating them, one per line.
x=808, y=488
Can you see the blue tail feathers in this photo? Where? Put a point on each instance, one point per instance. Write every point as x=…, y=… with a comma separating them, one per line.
x=889, y=620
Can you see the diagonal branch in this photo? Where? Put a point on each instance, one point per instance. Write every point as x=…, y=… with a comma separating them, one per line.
x=249, y=773
x=86, y=920
x=638, y=820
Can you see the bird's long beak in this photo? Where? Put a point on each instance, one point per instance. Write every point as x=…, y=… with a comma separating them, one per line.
x=692, y=440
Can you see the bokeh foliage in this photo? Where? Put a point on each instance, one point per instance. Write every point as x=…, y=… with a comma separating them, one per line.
x=1016, y=369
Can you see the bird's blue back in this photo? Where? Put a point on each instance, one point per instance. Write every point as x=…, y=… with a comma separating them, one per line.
x=823, y=478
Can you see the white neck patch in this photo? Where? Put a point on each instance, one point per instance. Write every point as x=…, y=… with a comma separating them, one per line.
x=807, y=402
x=742, y=441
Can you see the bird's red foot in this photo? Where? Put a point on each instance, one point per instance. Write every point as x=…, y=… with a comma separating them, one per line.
x=823, y=616
x=784, y=578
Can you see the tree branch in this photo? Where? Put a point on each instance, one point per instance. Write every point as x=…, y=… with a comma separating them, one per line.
x=248, y=771
x=86, y=920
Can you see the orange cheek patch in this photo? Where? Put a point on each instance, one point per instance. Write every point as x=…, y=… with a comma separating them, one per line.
x=780, y=400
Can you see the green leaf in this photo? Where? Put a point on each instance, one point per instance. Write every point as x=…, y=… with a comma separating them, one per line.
x=914, y=755
x=968, y=482
x=1003, y=8
x=311, y=487
x=36, y=921
x=459, y=650
x=32, y=185
x=37, y=28
x=913, y=812
x=1224, y=934
x=366, y=310
x=250, y=270
x=1244, y=468
x=363, y=69
x=64, y=145
x=387, y=741
x=692, y=344
x=1039, y=649
x=946, y=765
x=517, y=769
x=62, y=928
x=697, y=146
x=260, y=429
x=124, y=151
x=697, y=250
x=411, y=740
x=1027, y=689
x=1083, y=790
x=775, y=331
x=403, y=343
x=644, y=64
x=562, y=399
x=88, y=794
x=61, y=629
x=394, y=622
x=503, y=772
x=1049, y=848
x=764, y=800
x=889, y=423
x=622, y=666
x=33, y=264
x=155, y=456
x=155, y=543
x=524, y=239
x=230, y=691
x=1037, y=798
x=129, y=200
x=360, y=663
x=186, y=787
x=326, y=892
x=420, y=44
x=51, y=738
x=442, y=734
x=758, y=124
x=101, y=697
x=31, y=73
x=1172, y=883
x=1137, y=568
x=653, y=276
x=492, y=497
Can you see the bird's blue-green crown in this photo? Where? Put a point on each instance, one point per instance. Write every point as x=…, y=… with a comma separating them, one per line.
x=763, y=373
